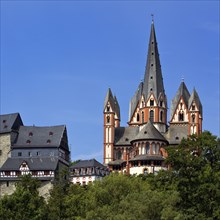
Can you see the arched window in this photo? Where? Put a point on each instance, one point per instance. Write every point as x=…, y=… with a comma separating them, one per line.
x=181, y=116
x=147, y=148
x=142, y=114
x=138, y=117
x=151, y=102
x=161, y=116
x=108, y=108
x=119, y=155
x=153, y=148
x=151, y=115
x=193, y=118
x=108, y=119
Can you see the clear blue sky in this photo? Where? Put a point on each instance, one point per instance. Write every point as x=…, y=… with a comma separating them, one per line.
x=58, y=59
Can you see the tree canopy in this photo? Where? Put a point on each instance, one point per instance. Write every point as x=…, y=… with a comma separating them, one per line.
x=190, y=189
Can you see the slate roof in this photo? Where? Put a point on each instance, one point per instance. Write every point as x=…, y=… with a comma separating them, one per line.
x=113, y=102
x=33, y=136
x=42, y=163
x=153, y=69
x=176, y=133
x=195, y=97
x=9, y=122
x=88, y=163
x=117, y=162
x=149, y=132
x=153, y=80
x=181, y=92
x=124, y=135
x=147, y=157
x=135, y=100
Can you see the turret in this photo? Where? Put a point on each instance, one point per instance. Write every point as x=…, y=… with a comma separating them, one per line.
x=111, y=121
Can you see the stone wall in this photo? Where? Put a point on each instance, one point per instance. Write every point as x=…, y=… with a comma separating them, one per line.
x=5, y=147
x=7, y=187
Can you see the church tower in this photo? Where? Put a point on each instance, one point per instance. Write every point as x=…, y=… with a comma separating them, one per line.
x=186, y=112
x=149, y=101
x=111, y=121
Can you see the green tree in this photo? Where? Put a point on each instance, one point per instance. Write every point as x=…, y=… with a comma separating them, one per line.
x=195, y=175
x=25, y=203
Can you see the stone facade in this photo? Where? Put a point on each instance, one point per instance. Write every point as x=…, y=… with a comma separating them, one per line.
x=5, y=143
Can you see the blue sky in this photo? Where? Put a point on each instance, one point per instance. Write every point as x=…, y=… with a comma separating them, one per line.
x=58, y=58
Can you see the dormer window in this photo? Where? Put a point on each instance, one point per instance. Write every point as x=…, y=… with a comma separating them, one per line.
x=151, y=102
x=108, y=108
x=50, y=133
x=4, y=121
x=28, y=141
x=193, y=107
x=48, y=141
x=30, y=134
x=161, y=103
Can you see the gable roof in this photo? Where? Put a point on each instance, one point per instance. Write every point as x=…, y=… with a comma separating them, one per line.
x=42, y=163
x=33, y=136
x=181, y=92
x=88, y=163
x=9, y=122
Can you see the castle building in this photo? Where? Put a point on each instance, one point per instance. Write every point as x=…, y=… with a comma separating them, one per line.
x=140, y=147
x=42, y=152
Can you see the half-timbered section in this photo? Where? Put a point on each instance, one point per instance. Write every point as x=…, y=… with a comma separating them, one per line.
x=87, y=171
x=42, y=152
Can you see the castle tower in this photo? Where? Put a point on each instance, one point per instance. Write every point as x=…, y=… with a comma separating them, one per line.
x=111, y=121
x=149, y=101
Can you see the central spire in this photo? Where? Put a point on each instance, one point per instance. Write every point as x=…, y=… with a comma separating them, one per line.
x=153, y=80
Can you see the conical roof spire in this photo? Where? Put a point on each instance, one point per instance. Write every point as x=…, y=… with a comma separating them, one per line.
x=153, y=80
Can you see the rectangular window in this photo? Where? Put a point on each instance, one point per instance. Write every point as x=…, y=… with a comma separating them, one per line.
x=19, y=154
x=0, y=152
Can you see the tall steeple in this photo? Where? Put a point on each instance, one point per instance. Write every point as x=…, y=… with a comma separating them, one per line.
x=149, y=101
x=153, y=80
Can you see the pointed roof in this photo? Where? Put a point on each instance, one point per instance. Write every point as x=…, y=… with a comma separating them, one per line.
x=149, y=132
x=153, y=80
x=195, y=97
x=135, y=99
x=9, y=122
x=113, y=102
x=181, y=92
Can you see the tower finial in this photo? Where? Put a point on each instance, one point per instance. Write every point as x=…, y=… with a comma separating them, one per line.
x=182, y=78
x=152, y=16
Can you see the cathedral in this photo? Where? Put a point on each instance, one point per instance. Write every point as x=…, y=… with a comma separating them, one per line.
x=140, y=148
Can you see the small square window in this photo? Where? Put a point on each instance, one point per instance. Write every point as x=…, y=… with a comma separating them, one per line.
x=19, y=154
